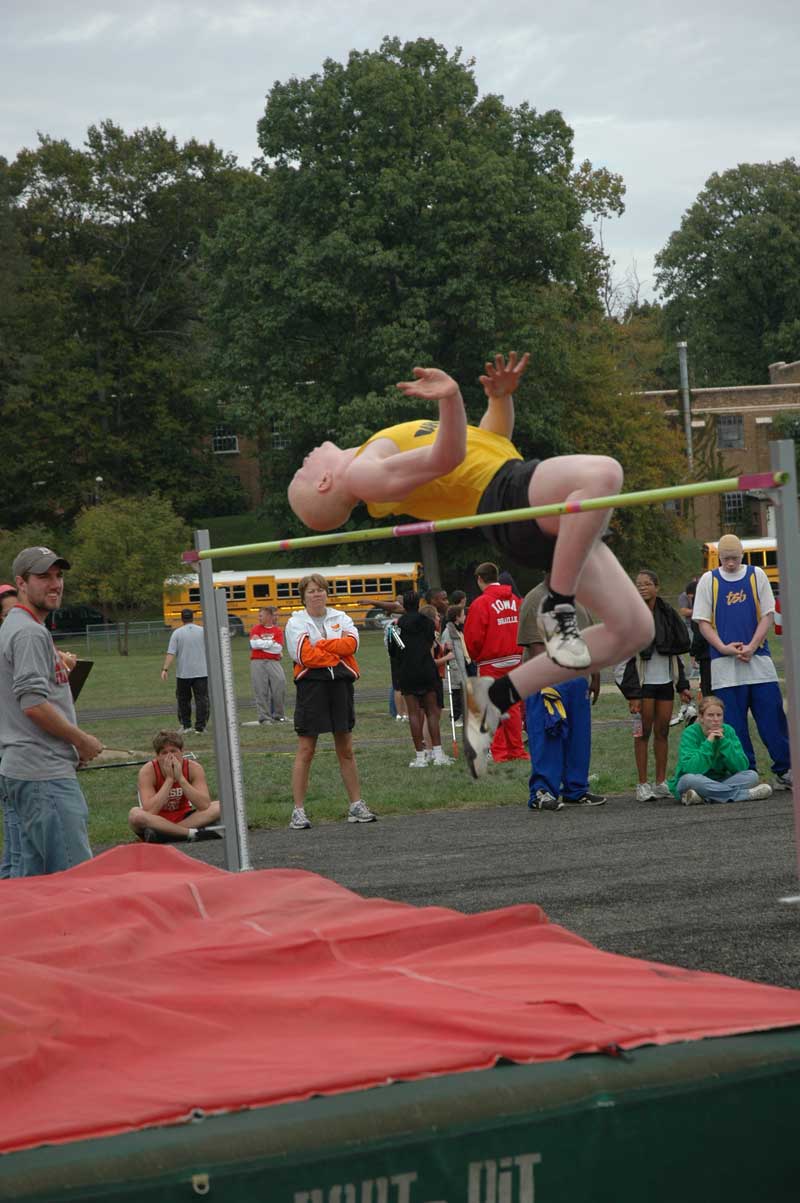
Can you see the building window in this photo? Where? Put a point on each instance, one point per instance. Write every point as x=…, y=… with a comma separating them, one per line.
x=223, y=440
x=279, y=439
x=732, y=508
x=730, y=432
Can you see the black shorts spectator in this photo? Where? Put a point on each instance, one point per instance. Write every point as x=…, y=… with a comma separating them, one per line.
x=324, y=704
x=660, y=693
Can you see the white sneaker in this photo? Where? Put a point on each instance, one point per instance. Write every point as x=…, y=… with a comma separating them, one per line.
x=759, y=791
x=253, y=722
x=783, y=780
x=299, y=819
x=481, y=717
x=421, y=762
x=691, y=798
x=562, y=639
x=661, y=790
x=644, y=792
x=441, y=758
x=359, y=812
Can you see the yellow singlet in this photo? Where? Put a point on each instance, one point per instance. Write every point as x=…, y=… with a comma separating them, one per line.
x=460, y=491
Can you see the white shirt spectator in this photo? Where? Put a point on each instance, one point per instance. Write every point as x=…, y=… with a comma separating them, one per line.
x=727, y=671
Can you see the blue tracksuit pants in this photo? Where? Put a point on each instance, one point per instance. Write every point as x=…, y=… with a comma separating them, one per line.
x=561, y=765
x=765, y=702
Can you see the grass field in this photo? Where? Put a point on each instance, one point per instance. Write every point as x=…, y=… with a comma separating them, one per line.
x=383, y=747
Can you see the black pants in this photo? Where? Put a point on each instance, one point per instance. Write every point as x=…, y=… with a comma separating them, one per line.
x=184, y=688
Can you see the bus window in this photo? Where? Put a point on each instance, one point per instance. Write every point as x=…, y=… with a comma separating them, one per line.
x=756, y=558
x=194, y=596
x=385, y=584
x=356, y=585
x=284, y=589
x=771, y=559
x=341, y=587
x=260, y=591
x=371, y=585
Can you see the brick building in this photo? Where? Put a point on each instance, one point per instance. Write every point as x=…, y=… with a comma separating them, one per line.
x=731, y=433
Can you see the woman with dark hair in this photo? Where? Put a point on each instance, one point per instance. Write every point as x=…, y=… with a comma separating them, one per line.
x=419, y=680
x=649, y=681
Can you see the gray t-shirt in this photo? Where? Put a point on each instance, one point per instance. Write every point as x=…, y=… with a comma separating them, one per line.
x=31, y=673
x=187, y=644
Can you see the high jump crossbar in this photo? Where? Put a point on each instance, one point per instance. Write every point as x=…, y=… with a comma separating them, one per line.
x=732, y=484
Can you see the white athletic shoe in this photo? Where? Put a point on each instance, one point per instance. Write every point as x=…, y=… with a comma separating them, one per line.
x=421, y=762
x=758, y=792
x=299, y=819
x=644, y=792
x=661, y=790
x=359, y=812
x=442, y=758
x=481, y=717
x=783, y=780
x=562, y=639
x=691, y=798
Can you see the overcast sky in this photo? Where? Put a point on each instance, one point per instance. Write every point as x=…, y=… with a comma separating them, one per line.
x=663, y=93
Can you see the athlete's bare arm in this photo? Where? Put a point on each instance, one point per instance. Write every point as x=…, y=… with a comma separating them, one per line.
x=500, y=382
x=383, y=473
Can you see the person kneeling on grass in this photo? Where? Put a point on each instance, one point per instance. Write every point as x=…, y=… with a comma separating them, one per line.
x=174, y=802
x=712, y=764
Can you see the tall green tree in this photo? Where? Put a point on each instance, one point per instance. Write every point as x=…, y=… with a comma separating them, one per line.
x=398, y=218
x=731, y=274
x=101, y=353
x=124, y=551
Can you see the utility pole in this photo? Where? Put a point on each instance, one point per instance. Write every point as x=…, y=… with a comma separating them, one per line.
x=687, y=404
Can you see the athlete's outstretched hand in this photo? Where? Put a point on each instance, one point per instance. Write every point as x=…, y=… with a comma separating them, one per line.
x=503, y=376
x=431, y=383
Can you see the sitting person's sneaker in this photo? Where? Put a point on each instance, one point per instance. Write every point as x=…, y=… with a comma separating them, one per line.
x=691, y=798
x=644, y=792
x=563, y=641
x=481, y=717
x=758, y=792
x=151, y=836
x=299, y=819
x=783, y=780
x=544, y=800
x=359, y=812
x=209, y=833
x=661, y=790
x=586, y=799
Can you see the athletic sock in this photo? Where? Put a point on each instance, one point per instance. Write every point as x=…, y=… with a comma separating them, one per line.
x=554, y=599
x=503, y=693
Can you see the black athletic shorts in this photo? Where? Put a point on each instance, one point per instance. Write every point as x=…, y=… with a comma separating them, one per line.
x=324, y=705
x=524, y=542
x=659, y=693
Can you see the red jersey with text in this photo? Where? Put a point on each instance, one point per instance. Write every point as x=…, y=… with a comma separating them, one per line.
x=490, y=631
x=273, y=633
x=177, y=805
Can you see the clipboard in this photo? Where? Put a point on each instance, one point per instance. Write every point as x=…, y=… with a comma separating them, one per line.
x=77, y=678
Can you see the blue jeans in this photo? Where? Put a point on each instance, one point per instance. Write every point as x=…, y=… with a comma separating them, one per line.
x=732, y=789
x=52, y=823
x=12, y=853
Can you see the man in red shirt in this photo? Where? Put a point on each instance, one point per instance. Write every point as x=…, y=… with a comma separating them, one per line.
x=490, y=633
x=266, y=670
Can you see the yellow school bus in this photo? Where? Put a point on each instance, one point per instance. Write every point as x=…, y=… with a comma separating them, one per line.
x=761, y=553
x=355, y=588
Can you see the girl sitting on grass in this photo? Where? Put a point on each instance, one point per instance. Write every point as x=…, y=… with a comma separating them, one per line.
x=712, y=764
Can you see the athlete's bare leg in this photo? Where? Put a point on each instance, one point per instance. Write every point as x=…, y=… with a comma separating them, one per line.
x=573, y=478
x=626, y=623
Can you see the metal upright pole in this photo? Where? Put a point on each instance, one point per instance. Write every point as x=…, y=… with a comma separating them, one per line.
x=687, y=404
x=787, y=523
x=224, y=713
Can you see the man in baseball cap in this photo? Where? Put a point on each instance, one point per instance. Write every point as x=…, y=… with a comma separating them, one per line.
x=734, y=608
x=37, y=560
x=41, y=741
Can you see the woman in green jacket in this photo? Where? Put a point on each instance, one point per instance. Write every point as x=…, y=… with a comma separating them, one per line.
x=712, y=765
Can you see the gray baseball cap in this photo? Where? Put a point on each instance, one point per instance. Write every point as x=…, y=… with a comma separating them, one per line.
x=37, y=560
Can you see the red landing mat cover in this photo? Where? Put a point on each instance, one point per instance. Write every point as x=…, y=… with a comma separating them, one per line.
x=143, y=985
